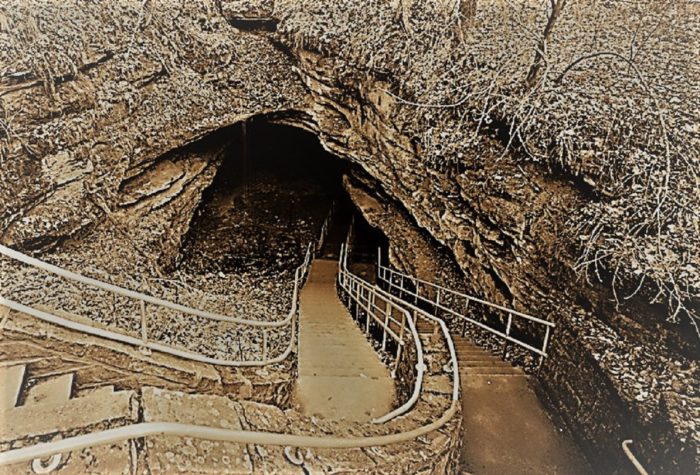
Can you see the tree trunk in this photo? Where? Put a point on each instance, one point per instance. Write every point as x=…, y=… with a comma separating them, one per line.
x=533, y=75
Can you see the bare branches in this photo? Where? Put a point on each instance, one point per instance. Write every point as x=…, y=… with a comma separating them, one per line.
x=556, y=7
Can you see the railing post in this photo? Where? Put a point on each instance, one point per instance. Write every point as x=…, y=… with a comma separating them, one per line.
x=415, y=300
x=367, y=322
x=144, y=329
x=437, y=302
x=403, y=324
x=387, y=312
x=544, y=346
x=464, y=325
x=505, y=343
x=265, y=344
x=398, y=358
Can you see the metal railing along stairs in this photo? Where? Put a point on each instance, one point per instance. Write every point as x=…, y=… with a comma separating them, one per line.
x=436, y=297
x=144, y=342
x=394, y=321
x=146, y=429
x=145, y=301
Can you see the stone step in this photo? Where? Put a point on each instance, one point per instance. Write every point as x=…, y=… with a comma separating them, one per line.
x=11, y=380
x=32, y=420
x=166, y=455
x=50, y=390
x=112, y=459
x=104, y=391
x=484, y=363
x=120, y=359
x=492, y=371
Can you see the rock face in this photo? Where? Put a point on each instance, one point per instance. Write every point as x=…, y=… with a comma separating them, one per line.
x=94, y=96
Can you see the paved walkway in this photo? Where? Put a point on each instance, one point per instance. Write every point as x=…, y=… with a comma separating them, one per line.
x=340, y=375
x=506, y=430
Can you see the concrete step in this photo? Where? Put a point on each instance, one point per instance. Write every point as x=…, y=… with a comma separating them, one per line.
x=465, y=343
x=484, y=363
x=11, y=380
x=492, y=371
x=340, y=374
x=365, y=371
x=50, y=390
x=49, y=417
x=477, y=357
x=471, y=351
x=104, y=391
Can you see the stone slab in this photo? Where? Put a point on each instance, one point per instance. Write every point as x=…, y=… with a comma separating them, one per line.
x=11, y=379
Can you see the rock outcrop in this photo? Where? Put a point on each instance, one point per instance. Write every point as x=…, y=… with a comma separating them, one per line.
x=94, y=98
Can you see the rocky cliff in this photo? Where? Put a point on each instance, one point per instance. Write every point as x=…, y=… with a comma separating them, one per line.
x=93, y=97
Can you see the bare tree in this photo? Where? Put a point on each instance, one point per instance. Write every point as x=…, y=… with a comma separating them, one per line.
x=556, y=7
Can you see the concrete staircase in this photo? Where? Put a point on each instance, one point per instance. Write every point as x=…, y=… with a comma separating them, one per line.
x=505, y=428
x=475, y=361
x=38, y=407
x=340, y=375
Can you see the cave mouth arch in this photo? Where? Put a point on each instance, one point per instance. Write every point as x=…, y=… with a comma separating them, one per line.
x=273, y=189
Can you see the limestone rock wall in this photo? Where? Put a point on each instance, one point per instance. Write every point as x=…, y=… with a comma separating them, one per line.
x=92, y=96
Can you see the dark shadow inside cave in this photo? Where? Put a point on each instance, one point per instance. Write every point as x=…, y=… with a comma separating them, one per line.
x=272, y=192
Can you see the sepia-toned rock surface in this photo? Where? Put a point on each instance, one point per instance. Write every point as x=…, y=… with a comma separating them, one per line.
x=96, y=98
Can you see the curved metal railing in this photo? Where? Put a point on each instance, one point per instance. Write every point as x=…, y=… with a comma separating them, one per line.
x=417, y=312
x=632, y=458
x=391, y=318
x=146, y=429
x=144, y=342
x=434, y=296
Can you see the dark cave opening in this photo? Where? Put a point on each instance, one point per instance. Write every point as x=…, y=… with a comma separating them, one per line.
x=274, y=188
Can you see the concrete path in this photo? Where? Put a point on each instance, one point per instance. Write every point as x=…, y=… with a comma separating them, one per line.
x=506, y=430
x=340, y=375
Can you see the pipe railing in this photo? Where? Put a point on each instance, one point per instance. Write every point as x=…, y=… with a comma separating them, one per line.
x=635, y=462
x=144, y=342
x=147, y=429
x=325, y=227
x=434, y=295
x=393, y=320
x=417, y=312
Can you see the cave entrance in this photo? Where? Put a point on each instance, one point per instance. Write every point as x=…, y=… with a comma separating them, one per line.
x=272, y=192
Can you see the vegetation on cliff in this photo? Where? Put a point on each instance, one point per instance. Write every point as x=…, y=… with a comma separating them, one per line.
x=604, y=93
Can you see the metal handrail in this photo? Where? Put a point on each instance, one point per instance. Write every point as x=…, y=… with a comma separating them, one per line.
x=146, y=429
x=388, y=275
x=354, y=286
x=324, y=228
x=637, y=465
x=66, y=274
x=446, y=333
x=144, y=342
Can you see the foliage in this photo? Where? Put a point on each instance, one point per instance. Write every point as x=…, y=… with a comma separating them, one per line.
x=615, y=107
